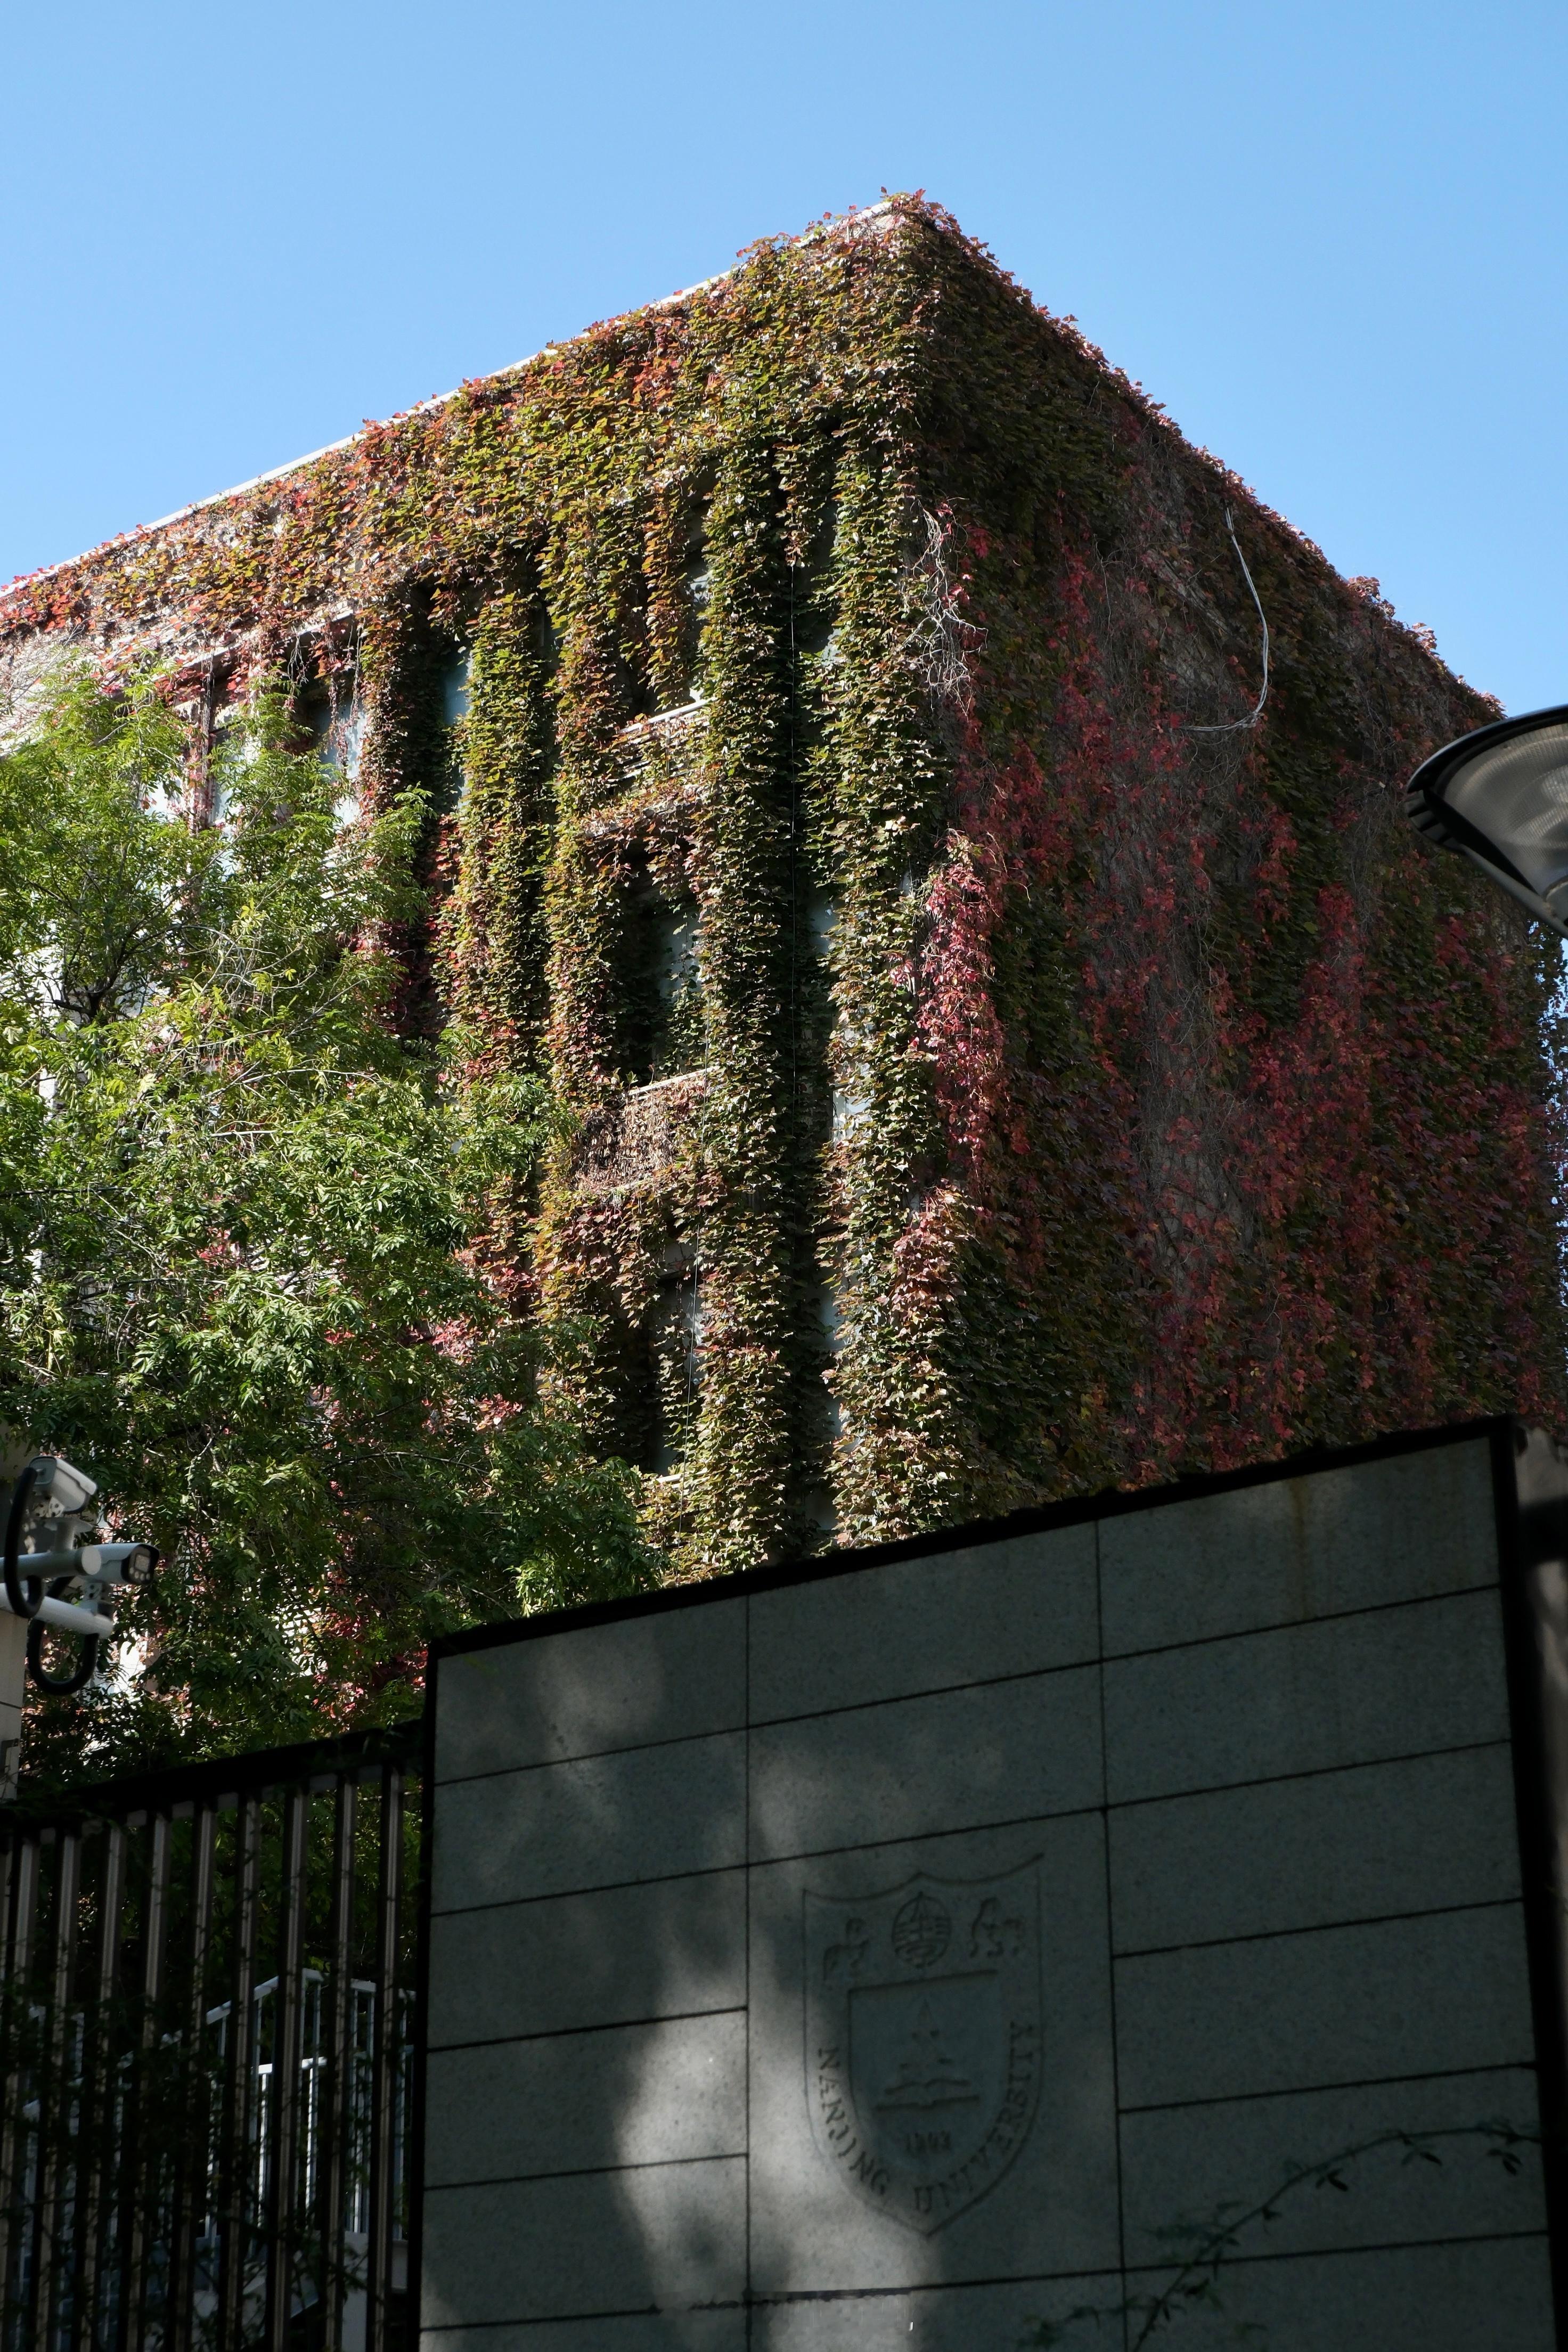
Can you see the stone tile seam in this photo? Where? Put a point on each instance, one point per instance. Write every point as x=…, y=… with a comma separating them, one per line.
x=736, y=1731
x=982, y=1682
x=1498, y=1746
x=976, y=1683
x=932, y=1837
x=450, y=2185
x=1352, y=1925
x=584, y=2172
x=742, y=1729
x=1526, y=2066
x=582, y=1894
x=784, y=2299
x=925, y=1694
x=575, y=2318
x=611, y=2025
x=1304, y=1624
x=1379, y=2246
x=975, y=1536
x=981, y=1828
x=1304, y=1772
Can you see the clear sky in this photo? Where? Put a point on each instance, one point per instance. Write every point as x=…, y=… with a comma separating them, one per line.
x=1328, y=236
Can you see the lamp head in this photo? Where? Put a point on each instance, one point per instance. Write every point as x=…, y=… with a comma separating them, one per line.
x=1500, y=796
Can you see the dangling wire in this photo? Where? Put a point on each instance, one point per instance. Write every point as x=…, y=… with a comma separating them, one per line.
x=1239, y=726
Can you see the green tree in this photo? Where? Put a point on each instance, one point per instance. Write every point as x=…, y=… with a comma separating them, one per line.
x=236, y=1216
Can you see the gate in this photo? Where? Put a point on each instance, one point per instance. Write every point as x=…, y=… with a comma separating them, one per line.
x=208, y=2023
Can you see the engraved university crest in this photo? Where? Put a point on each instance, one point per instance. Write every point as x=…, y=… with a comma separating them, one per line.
x=923, y=2038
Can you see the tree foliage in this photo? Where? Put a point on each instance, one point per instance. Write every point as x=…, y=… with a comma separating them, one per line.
x=234, y=1211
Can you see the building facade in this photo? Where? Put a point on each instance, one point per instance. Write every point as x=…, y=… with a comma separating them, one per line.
x=1007, y=1042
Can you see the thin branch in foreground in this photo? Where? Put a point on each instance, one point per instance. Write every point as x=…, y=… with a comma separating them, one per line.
x=1213, y=2242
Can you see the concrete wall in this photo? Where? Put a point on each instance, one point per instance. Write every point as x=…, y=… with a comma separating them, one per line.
x=886, y=1959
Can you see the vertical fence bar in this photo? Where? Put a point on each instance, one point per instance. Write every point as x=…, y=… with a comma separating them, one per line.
x=144, y=2156
x=337, y=2090
x=47, y=2299
x=383, y=2072
x=191, y=2157
x=95, y=2164
x=234, y=2185
x=13, y=2022
x=281, y=2184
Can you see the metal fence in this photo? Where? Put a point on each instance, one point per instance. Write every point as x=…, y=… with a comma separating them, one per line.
x=208, y=2023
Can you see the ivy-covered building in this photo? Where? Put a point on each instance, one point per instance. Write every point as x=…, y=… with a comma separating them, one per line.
x=1001, y=1049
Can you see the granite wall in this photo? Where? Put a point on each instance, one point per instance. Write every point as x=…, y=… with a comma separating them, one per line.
x=884, y=1954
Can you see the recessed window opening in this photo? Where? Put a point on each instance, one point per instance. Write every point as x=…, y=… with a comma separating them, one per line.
x=191, y=803
x=549, y=641
x=821, y=1513
x=815, y=603
x=229, y=738
x=349, y=730
x=819, y=917
x=454, y=688
x=331, y=710
x=675, y=1340
x=667, y=1031
x=829, y=1324
x=681, y=1041
x=697, y=589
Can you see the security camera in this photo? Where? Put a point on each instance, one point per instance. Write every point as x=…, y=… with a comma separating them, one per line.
x=116, y=1563
x=62, y=1490
x=49, y=1495
x=57, y=1499
x=100, y=1563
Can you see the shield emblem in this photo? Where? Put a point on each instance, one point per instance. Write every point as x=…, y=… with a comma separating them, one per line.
x=923, y=2038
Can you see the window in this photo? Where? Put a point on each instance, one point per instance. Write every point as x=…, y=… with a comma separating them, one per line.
x=455, y=689
x=331, y=710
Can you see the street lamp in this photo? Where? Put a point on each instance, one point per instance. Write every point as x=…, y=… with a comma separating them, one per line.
x=1500, y=796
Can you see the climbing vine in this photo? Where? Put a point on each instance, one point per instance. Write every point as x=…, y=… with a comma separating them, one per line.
x=976, y=1078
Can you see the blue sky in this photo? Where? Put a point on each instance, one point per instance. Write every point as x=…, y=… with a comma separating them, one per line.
x=1330, y=238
